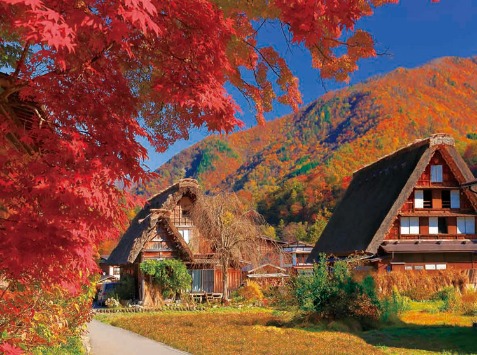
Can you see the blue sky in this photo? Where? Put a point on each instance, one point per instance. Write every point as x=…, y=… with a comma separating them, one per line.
x=411, y=33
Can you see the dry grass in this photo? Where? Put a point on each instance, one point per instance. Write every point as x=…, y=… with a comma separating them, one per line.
x=423, y=331
x=444, y=318
x=419, y=285
x=239, y=333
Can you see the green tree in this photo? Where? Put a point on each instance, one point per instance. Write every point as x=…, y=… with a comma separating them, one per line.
x=170, y=275
x=332, y=292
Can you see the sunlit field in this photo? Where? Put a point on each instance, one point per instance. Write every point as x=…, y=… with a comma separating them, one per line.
x=421, y=331
x=238, y=333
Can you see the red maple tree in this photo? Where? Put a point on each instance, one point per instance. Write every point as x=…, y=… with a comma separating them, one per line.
x=83, y=79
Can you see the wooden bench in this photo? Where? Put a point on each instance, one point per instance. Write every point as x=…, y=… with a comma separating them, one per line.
x=214, y=297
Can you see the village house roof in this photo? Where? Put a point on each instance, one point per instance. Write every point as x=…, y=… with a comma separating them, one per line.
x=156, y=213
x=378, y=191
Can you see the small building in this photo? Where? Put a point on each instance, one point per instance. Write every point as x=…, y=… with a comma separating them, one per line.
x=267, y=275
x=411, y=210
x=296, y=256
x=108, y=269
x=162, y=230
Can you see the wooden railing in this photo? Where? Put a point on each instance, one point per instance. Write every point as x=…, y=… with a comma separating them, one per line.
x=437, y=236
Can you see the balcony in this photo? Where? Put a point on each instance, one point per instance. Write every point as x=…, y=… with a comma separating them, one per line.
x=157, y=246
x=437, y=236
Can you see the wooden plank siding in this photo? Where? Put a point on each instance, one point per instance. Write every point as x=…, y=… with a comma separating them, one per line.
x=449, y=179
x=235, y=280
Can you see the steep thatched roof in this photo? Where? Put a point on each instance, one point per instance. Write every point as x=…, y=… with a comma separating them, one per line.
x=378, y=191
x=155, y=214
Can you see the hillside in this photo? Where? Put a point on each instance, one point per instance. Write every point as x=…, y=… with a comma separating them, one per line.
x=294, y=168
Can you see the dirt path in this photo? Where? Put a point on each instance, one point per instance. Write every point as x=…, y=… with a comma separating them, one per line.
x=105, y=339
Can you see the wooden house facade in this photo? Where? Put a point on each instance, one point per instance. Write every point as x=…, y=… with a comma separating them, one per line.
x=296, y=256
x=411, y=210
x=162, y=230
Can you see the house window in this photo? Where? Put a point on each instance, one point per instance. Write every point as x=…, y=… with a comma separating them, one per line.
x=438, y=225
x=409, y=225
x=436, y=173
x=202, y=280
x=427, y=199
x=419, y=199
x=423, y=199
x=446, y=198
x=408, y=267
x=450, y=199
x=418, y=267
x=441, y=266
x=465, y=225
x=430, y=266
x=186, y=234
x=454, y=199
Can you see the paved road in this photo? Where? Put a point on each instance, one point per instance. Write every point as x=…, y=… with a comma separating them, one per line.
x=105, y=339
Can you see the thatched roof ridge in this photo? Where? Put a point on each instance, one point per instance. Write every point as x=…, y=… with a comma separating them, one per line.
x=144, y=225
x=376, y=194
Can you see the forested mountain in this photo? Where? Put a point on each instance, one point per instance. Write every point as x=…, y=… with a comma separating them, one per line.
x=294, y=168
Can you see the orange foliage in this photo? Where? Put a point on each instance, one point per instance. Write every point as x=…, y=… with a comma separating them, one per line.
x=336, y=135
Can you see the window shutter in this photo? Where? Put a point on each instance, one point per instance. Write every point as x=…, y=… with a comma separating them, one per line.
x=414, y=225
x=470, y=225
x=433, y=225
x=436, y=173
x=460, y=225
x=418, y=199
x=455, y=199
x=405, y=225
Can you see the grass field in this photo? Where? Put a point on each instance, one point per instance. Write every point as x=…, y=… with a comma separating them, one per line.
x=266, y=332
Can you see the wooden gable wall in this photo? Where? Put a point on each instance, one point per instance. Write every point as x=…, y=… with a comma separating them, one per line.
x=162, y=246
x=439, y=209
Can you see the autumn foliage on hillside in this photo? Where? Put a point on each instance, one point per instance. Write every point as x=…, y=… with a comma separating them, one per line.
x=81, y=80
x=296, y=167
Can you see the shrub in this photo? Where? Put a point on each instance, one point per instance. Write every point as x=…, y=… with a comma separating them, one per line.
x=251, y=292
x=111, y=302
x=469, y=303
x=450, y=298
x=394, y=305
x=170, y=275
x=333, y=293
x=126, y=289
x=282, y=296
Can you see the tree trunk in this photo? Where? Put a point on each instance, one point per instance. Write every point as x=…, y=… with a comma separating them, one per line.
x=225, y=279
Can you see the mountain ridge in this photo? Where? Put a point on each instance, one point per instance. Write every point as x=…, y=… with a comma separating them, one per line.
x=295, y=167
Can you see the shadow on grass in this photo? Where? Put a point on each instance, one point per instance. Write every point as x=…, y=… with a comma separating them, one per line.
x=439, y=338
x=436, y=338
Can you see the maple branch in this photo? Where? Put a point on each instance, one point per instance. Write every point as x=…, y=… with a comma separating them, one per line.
x=101, y=54
x=341, y=42
x=264, y=58
x=321, y=52
x=22, y=59
x=259, y=27
x=287, y=39
x=9, y=90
